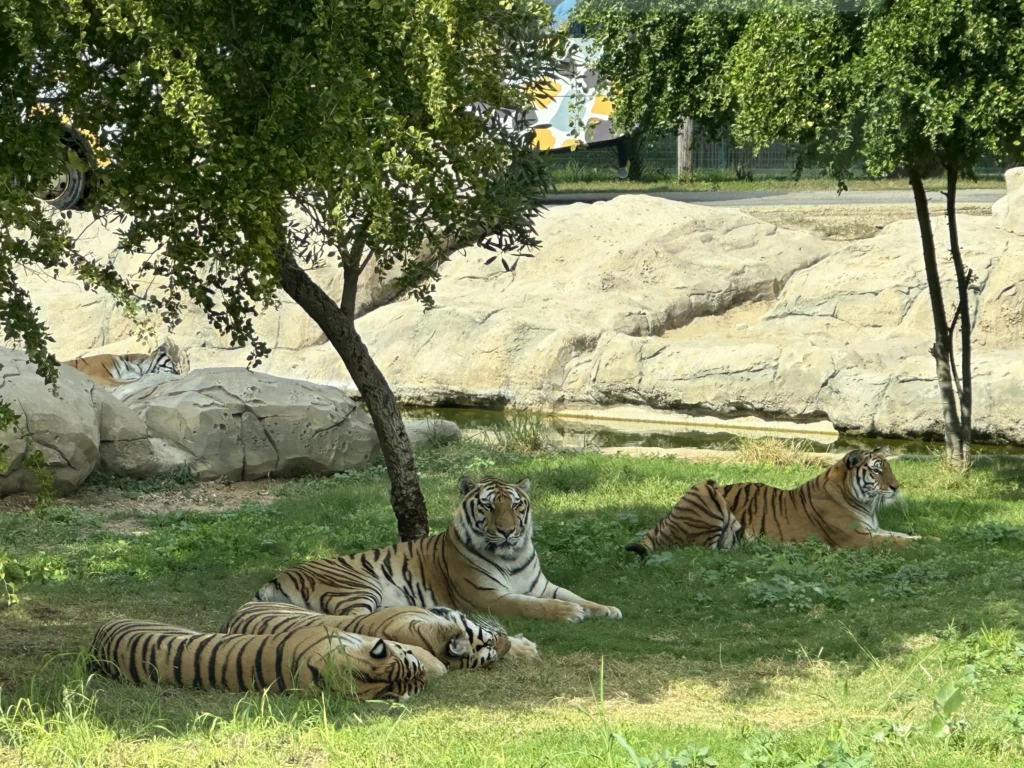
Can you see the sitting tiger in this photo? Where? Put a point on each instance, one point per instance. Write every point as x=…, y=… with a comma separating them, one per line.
x=484, y=562
x=115, y=370
x=839, y=507
x=298, y=660
x=450, y=636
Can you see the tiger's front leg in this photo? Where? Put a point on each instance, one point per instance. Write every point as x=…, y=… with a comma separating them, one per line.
x=537, y=608
x=590, y=608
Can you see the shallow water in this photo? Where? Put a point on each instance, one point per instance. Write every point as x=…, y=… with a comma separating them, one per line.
x=594, y=433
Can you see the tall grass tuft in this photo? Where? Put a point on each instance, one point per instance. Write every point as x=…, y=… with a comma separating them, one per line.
x=778, y=452
x=522, y=432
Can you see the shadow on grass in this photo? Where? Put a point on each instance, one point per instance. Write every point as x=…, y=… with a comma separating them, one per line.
x=741, y=622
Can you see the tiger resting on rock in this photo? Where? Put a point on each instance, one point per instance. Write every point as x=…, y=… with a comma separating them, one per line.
x=484, y=562
x=317, y=657
x=839, y=507
x=115, y=370
x=458, y=641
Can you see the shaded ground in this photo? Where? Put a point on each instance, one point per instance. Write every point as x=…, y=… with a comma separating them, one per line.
x=773, y=650
x=847, y=222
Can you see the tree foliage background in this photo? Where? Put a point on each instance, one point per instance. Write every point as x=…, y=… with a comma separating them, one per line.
x=910, y=87
x=223, y=118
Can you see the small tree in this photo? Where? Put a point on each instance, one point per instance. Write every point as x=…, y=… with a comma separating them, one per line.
x=911, y=85
x=224, y=117
x=663, y=60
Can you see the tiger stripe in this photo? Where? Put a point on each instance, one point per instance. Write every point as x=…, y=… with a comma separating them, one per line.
x=115, y=370
x=458, y=641
x=484, y=562
x=299, y=658
x=839, y=507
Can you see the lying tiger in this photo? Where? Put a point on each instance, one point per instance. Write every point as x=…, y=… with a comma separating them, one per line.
x=839, y=507
x=484, y=562
x=450, y=636
x=366, y=667
x=115, y=370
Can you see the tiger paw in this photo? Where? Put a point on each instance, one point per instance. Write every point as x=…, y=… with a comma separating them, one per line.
x=611, y=612
x=565, y=611
x=523, y=647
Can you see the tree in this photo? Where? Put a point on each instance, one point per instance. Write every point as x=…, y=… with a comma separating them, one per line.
x=909, y=85
x=250, y=139
x=663, y=60
x=896, y=85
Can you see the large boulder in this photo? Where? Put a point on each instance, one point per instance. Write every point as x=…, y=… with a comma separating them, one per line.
x=64, y=427
x=709, y=311
x=236, y=424
x=1008, y=210
x=649, y=302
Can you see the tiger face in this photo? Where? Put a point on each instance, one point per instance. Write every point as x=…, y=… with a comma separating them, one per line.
x=380, y=669
x=468, y=644
x=495, y=516
x=871, y=476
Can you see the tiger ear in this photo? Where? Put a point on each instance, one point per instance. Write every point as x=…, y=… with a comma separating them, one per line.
x=524, y=485
x=853, y=458
x=379, y=650
x=465, y=485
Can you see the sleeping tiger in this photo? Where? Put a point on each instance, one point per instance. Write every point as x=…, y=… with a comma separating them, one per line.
x=484, y=562
x=452, y=637
x=838, y=507
x=115, y=370
x=300, y=659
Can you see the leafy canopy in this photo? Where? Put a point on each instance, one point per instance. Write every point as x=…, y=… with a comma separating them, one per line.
x=245, y=132
x=922, y=83
x=663, y=60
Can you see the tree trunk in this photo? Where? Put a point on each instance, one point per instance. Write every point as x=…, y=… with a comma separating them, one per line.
x=684, y=148
x=406, y=497
x=964, y=311
x=941, y=350
x=636, y=161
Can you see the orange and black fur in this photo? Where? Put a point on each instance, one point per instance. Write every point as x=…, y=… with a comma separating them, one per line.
x=839, y=507
x=115, y=370
x=484, y=562
x=458, y=641
x=368, y=667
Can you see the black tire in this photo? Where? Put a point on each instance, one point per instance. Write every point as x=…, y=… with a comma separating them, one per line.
x=68, y=191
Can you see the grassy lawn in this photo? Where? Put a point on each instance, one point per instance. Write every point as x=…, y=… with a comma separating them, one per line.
x=768, y=655
x=714, y=182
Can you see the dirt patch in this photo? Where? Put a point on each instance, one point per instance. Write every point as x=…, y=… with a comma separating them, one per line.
x=203, y=497
x=733, y=325
x=850, y=222
x=707, y=455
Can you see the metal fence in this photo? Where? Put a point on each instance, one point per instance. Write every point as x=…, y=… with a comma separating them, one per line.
x=721, y=158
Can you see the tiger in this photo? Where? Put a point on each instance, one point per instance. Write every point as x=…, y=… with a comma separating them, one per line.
x=484, y=562
x=115, y=370
x=455, y=639
x=839, y=507
x=301, y=659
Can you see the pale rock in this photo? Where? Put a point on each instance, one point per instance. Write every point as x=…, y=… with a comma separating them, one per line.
x=64, y=428
x=639, y=301
x=238, y=424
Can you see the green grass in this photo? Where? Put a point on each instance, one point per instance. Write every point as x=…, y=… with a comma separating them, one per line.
x=721, y=182
x=769, y=655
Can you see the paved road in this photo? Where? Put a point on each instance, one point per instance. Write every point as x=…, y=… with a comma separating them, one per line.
x=765, y=199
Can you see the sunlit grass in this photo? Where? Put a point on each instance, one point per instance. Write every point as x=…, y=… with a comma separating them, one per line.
x=768, y=655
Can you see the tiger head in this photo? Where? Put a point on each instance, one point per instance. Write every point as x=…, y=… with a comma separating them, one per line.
x=870, y=476
x=494, y=519
x=373, y=668
x=465, y=643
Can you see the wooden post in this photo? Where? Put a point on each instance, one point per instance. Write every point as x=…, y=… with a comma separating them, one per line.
x=684, y=148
